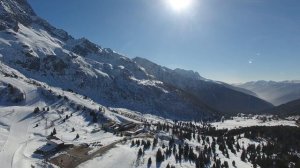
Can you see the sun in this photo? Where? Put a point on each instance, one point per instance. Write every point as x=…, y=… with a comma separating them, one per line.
x=180, y=5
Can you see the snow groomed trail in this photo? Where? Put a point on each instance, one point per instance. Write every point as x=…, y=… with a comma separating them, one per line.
x=20, y=120
x=17, y=136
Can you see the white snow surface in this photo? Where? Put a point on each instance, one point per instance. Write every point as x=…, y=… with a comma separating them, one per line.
x=19, y=137
x=116, y=158
x=239, y=122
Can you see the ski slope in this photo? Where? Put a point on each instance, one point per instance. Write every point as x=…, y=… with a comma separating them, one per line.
x=19, y=136
x=19, y=117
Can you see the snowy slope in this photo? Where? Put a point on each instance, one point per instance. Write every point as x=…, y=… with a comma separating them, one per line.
x=22, y=131
x=223, y=97
x=46, y=54
x=17, y=117
x=240, y=122
x=115, y=157
x=42, y=52
x=70, y=80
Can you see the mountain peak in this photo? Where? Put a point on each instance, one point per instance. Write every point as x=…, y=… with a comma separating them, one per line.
x=190, y=74
x=16, y=8
x=13, y=12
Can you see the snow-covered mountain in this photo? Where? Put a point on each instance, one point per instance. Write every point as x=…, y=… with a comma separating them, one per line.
x=86, y=143
x=40, y=51
x=68, y=102
x=222, y=96
x=275, y=92
x=23, y=129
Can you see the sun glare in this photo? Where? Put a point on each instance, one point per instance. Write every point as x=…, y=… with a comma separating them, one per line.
x=180, y=5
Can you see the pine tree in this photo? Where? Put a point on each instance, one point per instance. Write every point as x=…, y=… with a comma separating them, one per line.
x=218, y=163
x=186, y=151
x=174, y=149
x=53, y=132
x=159, y=156
x=243, y=156
x=237, y=146
x=140, y=153
x=36, y=110
x=155, y=141
x=149, y=162
x=233, y=163
x=226, y=164
x=95, y=119
x=137, y=142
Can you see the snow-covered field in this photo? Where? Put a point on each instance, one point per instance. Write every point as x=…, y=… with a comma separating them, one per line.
x=125, y=156
x=238, y=122
x=120, y=156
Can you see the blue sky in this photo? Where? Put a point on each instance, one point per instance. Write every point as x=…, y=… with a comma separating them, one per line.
x=227, y=40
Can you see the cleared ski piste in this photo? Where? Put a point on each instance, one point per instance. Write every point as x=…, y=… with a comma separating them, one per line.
x=18, y=137
x=17, y=119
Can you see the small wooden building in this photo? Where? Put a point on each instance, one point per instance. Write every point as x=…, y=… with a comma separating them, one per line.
x=51, y=146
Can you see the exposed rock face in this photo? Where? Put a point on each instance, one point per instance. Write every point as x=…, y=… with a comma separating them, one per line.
x=13, y=12
x=10, y=95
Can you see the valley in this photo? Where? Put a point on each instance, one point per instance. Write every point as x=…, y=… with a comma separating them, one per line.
x=70, y=103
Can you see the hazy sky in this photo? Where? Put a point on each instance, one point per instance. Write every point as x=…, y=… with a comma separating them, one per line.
x=226, y=40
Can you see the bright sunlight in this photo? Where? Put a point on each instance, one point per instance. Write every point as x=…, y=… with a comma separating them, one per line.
x=180, y=5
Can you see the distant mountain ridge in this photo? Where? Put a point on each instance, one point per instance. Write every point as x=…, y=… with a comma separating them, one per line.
x=40, y=51
x=288, y=109
x=223, y=97
x=275, y=92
